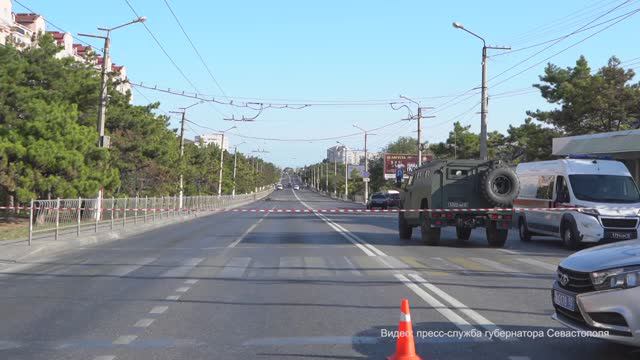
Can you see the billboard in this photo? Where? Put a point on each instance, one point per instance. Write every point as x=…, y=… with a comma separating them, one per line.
x=359, y=170
x=406, y=162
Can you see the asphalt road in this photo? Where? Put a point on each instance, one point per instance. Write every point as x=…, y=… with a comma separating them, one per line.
x=286, y=286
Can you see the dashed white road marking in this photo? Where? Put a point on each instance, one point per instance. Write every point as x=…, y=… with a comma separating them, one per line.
x=249, y=230
x=538, y=263
x=173, y=297
x=235, y=267
x=125, y=339
x=450, y=264
x=519, y=358
x=351, y=266
x=473, y=315
x=143, y=323
x=104, y=357
x=190, y=281
x=126, y=269
x=158, y=309
x=183, y=289
x=511, y=252
x=496, y=265
x=183, y=269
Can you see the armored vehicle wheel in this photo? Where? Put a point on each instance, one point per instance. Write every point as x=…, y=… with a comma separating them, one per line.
x=496, y=237
x=404, y=230
x=463, y=233
x=430, y=236
x=500, y=186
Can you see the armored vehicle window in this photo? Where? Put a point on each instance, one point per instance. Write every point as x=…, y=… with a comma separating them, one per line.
x=458, y=173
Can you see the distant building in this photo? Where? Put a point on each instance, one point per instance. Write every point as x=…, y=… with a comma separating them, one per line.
x=215, y=139
x=354, y=157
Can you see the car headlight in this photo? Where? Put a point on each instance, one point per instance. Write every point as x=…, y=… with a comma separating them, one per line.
x=621, y=278
x=589, y=211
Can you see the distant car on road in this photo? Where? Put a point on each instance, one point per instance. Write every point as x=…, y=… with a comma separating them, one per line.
x=279, y=187
x=461, y=193
x=601, y=195
x=382, y=200
x=597, y=290
x=296, y=187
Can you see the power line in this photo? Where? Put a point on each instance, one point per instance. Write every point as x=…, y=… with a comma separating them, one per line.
x=559, y=40
x=195, y=49
x=568, y=47
x=159, y=44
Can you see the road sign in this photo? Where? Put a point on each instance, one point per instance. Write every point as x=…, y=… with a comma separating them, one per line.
x=366, y=179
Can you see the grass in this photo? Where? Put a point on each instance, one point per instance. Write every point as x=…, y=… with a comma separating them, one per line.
x=14, y=228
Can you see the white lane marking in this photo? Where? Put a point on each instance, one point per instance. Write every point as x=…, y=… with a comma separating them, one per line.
x=173, y=297
x=538, y=263
x=126, y=269
x=458, y=321
x=519, y=358
x=183, y=289
x=183, y=269
x=125, y=339
x=143, y=323
x=191, y=281
x=158, y=310
x=235, y=267
x=291, y=266
x=450, y=264
x=352, y=266
x=357, y=238
x=511, y=252
x=473, y=315
x=345, y=233
x=15, y=268
x=104, y=357
x=249, y=230
x=496, y=265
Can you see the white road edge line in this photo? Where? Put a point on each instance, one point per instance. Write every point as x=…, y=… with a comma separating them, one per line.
x=472, y=314
x=449, y=314
x=249, y=230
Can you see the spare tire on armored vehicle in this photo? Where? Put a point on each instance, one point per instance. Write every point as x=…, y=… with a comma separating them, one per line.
x=464, y=194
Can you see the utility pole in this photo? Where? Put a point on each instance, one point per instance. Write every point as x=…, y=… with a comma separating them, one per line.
x=326, y=171
x=419, y=117
x=346, y=171
x=183, y=113
x=222, y=160
x=103, y=141
x=335, y=172
x=366, y=157
x=484, y=96
x=235, y=165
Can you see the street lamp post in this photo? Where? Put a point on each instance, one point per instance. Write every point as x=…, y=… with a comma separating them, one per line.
x=183, y=113
x=235, y=163
x=346, y=171
x=484, y=102
x=222, y=160
x=366, y=160
x=102, y=105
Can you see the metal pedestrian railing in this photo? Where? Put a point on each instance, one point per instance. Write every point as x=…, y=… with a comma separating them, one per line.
x=53, y=218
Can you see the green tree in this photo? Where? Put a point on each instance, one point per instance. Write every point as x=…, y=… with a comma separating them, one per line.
x=530, y=141
x=600, y=102
x=403, y=145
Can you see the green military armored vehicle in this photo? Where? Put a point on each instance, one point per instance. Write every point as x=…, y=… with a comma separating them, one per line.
x=461, y=193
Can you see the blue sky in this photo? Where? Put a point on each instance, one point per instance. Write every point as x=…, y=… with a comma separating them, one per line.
x=346, y=51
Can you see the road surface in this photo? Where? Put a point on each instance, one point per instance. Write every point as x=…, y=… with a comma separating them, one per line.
x=287, y=286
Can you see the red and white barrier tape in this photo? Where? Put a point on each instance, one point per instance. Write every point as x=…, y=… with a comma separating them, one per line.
x=335, y=210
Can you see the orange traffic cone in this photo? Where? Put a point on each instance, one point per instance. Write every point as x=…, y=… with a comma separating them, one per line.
x=405, y=346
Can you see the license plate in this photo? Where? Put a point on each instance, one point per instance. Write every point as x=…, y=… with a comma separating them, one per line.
x=458, y=204
x=564, y=300
x=620, y=235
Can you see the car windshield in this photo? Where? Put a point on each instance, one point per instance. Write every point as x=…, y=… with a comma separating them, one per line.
x=604, y=188
x=378, y=197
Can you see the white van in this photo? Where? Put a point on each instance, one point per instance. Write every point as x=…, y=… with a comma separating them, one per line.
x=603, y=193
